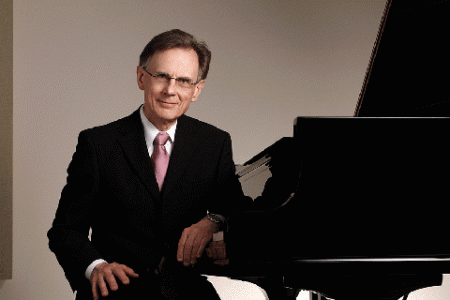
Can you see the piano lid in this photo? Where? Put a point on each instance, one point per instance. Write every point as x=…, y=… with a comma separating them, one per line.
x=408, y=71
x=368, y=187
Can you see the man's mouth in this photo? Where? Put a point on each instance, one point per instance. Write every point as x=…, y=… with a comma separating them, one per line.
x=167, y=102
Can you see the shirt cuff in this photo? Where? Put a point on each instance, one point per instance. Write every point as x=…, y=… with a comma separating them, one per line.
x=91, y=267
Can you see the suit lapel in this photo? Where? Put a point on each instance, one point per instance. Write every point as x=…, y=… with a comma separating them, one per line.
x=186, y=140
x=135, y=149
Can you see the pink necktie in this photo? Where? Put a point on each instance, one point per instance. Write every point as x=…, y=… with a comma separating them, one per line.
x=160, y=157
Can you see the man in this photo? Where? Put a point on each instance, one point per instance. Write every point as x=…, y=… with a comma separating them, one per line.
x=150, y=222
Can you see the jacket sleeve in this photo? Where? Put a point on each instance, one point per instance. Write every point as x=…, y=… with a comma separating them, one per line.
x=68, y=237
x=229, y=196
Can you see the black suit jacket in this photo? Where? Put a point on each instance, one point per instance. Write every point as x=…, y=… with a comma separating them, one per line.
x=112, y=188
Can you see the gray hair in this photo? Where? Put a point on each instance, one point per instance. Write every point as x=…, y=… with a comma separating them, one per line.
x=177, y=38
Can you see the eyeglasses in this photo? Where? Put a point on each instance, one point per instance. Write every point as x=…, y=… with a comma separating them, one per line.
x=162, y=78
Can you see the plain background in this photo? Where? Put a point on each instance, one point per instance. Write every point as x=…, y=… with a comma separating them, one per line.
x=6, y=138
x=75, y=67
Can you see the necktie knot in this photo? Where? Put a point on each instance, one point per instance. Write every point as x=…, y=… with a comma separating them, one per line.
x=161, y=139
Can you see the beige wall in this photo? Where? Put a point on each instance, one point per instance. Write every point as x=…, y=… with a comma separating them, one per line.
x=6, y=138
x=75, y=63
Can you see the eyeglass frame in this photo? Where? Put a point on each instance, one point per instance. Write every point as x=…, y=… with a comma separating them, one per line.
x=169, y=78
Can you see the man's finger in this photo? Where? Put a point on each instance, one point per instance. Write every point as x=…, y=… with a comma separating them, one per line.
x=129, y=271
x=209, y=252
x=196, y=244
x=122, y=272
x=188, y=250
x=222, y=262
x=202, y=245
x=220, y=253
x=121, y=275
x=213, y=254
x=94, y=289
x=111, y=279
x=181, y=243
x=101, y=284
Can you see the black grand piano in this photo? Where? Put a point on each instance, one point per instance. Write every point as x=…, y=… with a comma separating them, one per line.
x=356, y=207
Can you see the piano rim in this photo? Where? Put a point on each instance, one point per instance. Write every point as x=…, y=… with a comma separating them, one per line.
x=341, y=266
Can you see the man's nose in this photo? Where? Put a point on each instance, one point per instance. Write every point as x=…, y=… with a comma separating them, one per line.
x=171, y=86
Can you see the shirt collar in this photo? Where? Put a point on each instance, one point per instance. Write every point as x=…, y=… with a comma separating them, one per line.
x=150, y=131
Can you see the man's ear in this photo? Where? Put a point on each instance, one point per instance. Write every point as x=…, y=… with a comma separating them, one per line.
x=198, y=89
x=140, y=75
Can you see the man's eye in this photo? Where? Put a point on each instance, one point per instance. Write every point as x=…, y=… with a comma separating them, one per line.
x=184, y=80
x=162, y=76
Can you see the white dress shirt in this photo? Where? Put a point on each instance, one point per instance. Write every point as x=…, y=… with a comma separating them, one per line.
x=150, y=132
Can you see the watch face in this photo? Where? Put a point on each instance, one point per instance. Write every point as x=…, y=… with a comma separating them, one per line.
x=216, y=218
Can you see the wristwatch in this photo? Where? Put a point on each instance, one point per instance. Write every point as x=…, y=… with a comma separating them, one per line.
x=218, y=219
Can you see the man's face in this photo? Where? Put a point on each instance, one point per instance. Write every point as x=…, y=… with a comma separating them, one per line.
x=165, y=102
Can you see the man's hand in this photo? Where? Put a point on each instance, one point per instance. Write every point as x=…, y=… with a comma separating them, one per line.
x=194, y=240
x=217, y=251
x=105, y=273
